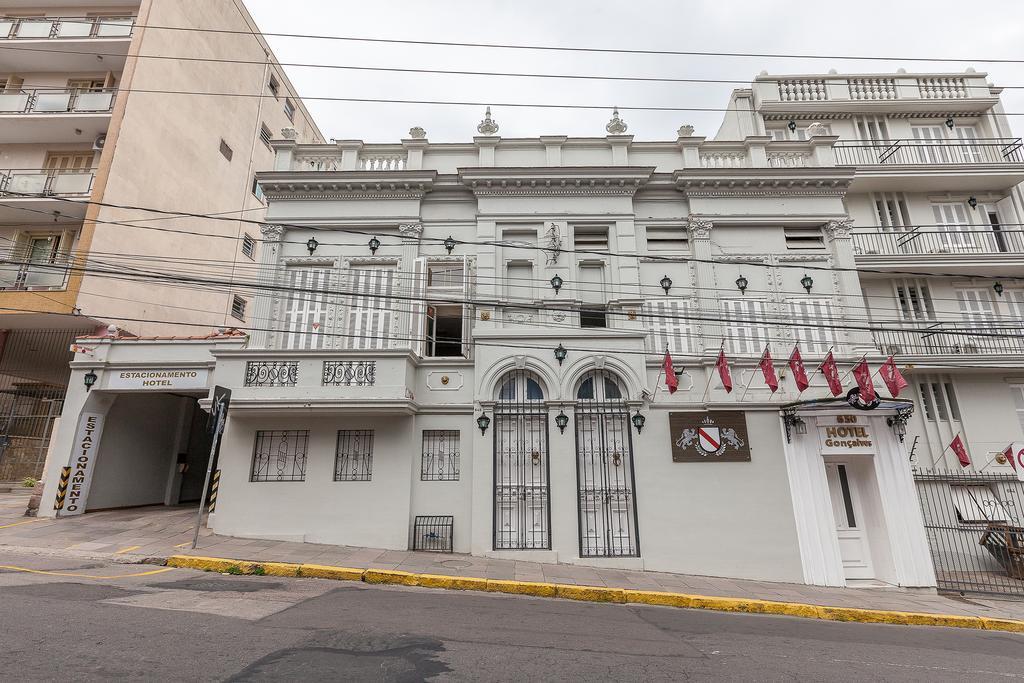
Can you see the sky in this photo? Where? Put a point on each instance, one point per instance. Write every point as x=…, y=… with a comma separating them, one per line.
x=990, y=29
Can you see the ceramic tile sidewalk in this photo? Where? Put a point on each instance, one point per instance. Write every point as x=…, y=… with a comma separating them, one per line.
x=160, y=532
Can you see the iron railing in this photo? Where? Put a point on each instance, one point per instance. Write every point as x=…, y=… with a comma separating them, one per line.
x=17, y=274
x=58, y=101
x=952, y=338
x=282, y=373
x=433, y=533
x=28, y=28
x=927, y=152
x=59, y=183
x=360, y=373
x=953, y=240
x=973, y=522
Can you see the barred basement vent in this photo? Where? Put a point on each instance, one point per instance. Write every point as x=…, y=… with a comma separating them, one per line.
x=804, y=238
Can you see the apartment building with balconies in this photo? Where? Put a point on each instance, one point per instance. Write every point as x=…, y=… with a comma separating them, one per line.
x=89, y=129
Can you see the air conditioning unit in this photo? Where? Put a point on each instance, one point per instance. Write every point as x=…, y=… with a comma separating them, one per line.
x=98, y=143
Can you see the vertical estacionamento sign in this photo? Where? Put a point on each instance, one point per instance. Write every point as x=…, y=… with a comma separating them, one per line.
x=83, y=462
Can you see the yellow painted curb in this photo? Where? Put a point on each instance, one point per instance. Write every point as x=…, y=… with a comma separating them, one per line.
x=596, y=593
x=320, y=571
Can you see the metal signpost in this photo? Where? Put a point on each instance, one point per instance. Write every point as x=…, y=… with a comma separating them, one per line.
x=218, y=416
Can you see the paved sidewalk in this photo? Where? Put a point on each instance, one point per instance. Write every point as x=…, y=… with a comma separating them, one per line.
x=158, y=532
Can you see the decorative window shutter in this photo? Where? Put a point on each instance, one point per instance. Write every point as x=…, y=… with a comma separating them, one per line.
x=370, y=313
x=305, y=315
x=745, y=337
x=668, y=326
x=814, y=312
x=467, y=308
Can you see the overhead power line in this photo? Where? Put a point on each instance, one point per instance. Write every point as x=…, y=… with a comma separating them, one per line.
x=605, y=50
x=510, y=245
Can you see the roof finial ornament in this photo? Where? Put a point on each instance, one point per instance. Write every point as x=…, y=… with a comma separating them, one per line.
x=488, y=126
x=616, y=126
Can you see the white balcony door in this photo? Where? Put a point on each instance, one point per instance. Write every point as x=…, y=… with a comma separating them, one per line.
x=305, y=315
x=970, y=151
x=370, y=314
x=978, y=311
x=951, y=223
x=931, y=145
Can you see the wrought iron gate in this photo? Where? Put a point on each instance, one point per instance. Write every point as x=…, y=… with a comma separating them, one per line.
x=34, y=374
x=604, y=470
x=522, y=506
x=973, y=521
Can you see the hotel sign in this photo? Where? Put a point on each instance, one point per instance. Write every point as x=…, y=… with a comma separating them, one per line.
x=158, y=380
x=849, y=435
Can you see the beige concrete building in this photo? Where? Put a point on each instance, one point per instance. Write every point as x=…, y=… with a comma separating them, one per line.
x=96, y=111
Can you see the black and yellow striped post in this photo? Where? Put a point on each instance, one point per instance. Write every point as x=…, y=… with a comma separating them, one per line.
x=214, y=485
x=62, y=488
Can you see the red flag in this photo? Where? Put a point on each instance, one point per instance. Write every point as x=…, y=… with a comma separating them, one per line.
x=768, y=370
x=1008, y=454
x=671, y=381
x=831, y=372
x=862, y=373
x=961, y=451
x=892, y=377
x=796, y=365
x=723, y=371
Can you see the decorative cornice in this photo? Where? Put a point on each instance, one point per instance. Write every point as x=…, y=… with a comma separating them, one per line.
x=764, y=182
x=803, y=258
x=556, y=181
x=309, y=261
x=320, y=185
x=741, y=258
x=271, y=232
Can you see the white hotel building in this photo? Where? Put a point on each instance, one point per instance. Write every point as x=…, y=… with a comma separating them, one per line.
x=869, y=214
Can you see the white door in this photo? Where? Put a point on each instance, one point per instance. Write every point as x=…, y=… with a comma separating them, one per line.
x=853, y=539
x=930, y=146
x=953, y=228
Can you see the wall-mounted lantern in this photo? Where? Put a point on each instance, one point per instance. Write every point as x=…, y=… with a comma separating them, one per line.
x=998, y=287
x=792, y=126
x=666, y=283
x=898, y=422
x=806, y=282
x=973, y=201
x=89, y=379
x=741, y=284
x=950, y=123
x=561, y=421
x=639, y=421
x=312, y=244
x=374, y=245
x=556, y=283
x=449, y=244
x=483, y=422
x=560, y=354
x=793, y=423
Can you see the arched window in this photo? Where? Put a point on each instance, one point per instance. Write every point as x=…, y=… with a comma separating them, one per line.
x=599, y=385
x=520, y=385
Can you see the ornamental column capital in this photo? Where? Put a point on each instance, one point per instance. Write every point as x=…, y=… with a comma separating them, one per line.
x=271, y=232
x=839, y=229
x=699, y=228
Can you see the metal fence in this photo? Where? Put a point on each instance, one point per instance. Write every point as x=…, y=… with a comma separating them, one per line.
x=954, y=240
x=927, y=152
x=34, y=374
x=973, y=523
x=433, y=533
x=946, y=339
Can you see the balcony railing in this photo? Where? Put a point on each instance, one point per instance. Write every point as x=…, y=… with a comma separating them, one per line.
x=62, y=183
x=57, y=101
x=953, y=240
x=926, y=152
x=950, y=339
x=18, y=273
x=875, y=88
x=65, y=27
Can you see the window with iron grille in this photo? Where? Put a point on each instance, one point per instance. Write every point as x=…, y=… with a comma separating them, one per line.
x=274, y=85
x=440, y=460
x=265, y=135
x=238, y=307
x=280, y=455
x=249, y=246
x=289, y=109
x=353, y=455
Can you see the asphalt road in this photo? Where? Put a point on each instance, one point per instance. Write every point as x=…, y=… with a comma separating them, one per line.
x=93, y=620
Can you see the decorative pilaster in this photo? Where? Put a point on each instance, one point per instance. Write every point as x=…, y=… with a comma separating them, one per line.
x=702, y=280
x=838, y=234
x=412, y=234
x=263, y=304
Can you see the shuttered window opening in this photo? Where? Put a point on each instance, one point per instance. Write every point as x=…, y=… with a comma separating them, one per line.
x=746, y=338
x=591, y=237
x=668, y=326
x=951, y=219
x=808, y=315
x=305, y=315
x=915, y=301
x=265, y=135
x=249, y=246
x=891, y=210
x=667, y=238
x=804, y=238
x=370, y=312
x=226, y=151
x=274, y=86
x=238, y=307
x=289, y=109
x=939, y=400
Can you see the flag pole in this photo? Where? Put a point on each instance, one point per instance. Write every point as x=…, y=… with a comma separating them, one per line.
x=743, y=395
x=711, y=372
x=862, y=358
x=657, y=382
x=813, y=374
